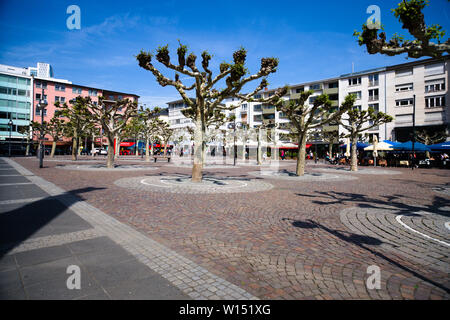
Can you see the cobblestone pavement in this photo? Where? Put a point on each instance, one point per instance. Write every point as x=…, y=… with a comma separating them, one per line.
x=298, y=240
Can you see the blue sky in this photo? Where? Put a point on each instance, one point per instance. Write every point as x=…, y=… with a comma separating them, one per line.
x=312, y=39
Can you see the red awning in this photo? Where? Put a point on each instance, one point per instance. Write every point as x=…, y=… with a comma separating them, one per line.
x=308, y=146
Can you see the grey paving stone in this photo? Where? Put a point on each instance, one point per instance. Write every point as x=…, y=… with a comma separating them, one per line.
x=42, y=255
x=102, y=244
x=7, y=171
x=7, y=263
x=48, y=271
x=13, y=179
x=37, y=219
x=108, y=275
x=57, y=289
x=17, y=294
x=10, y=280
x=20, y=192
x=96, y=296
x=112, y=257
x=151, y=288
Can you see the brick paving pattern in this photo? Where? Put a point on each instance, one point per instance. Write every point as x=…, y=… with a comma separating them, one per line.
x=288, y=242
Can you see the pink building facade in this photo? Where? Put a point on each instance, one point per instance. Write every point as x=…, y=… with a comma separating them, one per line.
x=64, y=91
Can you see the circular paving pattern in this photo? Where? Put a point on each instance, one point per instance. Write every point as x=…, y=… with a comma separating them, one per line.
x=308, y=176
x=421, y=236
x=445, y=190
x=360, y=170
x=183, y=184
x=206, y=166
x=102, y=167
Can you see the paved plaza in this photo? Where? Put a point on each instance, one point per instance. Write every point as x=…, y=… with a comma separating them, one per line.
x=243, y=234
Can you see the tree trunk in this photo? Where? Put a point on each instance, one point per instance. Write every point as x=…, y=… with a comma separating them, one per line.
x=27, y=150
x=117, y=147
x=93, y=144
x=165, y=148
x=137, y=147
x=198, y=147
x=301, y=154
x=110, y=159
x=330, y=150
x=52, y=154
x=354, y=158
x=147, y=150
x=79, y=144
x=259, y=150
x=74, y=146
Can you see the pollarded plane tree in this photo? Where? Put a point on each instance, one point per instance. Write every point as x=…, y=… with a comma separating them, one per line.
x=428, y=40
x=79, y=117
x=356, y=122
x=112, y=116
x=151, y=126
x=207, y=99
x=56, y=129
x=305, y=117
x=166, y=134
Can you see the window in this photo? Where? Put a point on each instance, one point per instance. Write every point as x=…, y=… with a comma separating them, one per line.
x=373, y=80
x=60, y=87
x=10, y=91
x=434, y=102
x=357, y=94
x=374, y=106
x=257, y=107
x=332, y=85
x=404, y=87
x=433, y=69
x=403, y=73
x=299, y=90
x=269, y=116
x=244, y=107
x=111, y=97
x=354, y=81
x=60, y=99
x=120, y=97
x=404, y=102
x=315, y=87
x=312, y=99
x=41, y=84
x=76, y=90
x=435, y=85
x=257, y=96
x=257, y=117
x=38, y=96
x=333, y=96
x=93, y=92
x=283, y=115
x=38, y=111
x=373, y=95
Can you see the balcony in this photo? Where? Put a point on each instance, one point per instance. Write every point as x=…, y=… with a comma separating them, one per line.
x=373, y=98
x=373, y=83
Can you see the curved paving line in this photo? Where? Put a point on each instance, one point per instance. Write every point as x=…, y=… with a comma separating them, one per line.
x=189, y=277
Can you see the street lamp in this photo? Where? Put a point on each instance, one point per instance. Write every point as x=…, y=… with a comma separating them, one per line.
x=316, y=138
x=10, y=124
x=41, y=105
x=233, y=126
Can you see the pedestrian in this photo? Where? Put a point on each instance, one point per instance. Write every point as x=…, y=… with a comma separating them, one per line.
x=181, y=152
x=282, y=154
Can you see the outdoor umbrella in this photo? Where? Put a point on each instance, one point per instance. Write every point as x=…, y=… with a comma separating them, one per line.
x=407, y=146
x=359, y=145
x=440, y=146
x=381, y=146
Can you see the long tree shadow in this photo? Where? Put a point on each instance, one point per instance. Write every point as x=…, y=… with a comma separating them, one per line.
x=19, y=224
x=390, y=202
x=361, y=241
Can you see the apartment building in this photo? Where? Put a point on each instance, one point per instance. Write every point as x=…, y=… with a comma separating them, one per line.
x=389, y=89
x=21, y=89
x=16, y=111
x=392, y=90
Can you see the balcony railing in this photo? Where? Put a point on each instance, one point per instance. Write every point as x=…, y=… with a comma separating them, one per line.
x=373, y=83
x=373, y=98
